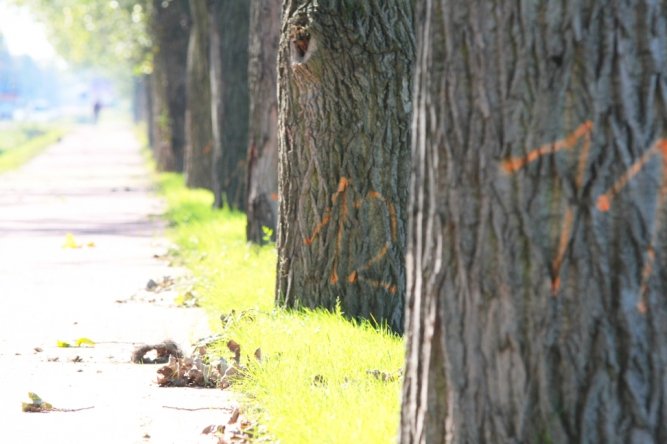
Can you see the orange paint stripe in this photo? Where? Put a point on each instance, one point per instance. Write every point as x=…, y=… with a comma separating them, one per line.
x=379, y=284
x=318, y=228
x=604, y=202
x=377, y=258
x=583, y=162
x=564, y=240
x=514, y=164
x=333, y=279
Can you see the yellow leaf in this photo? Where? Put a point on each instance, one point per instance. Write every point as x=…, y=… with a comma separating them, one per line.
x=90, y=244
x=70, y=241
x=62, y=344
x=34, y=397
x=84, y=341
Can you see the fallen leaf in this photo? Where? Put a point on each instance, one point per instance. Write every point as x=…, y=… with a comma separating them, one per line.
x=84, y=341
x=36, y=404
x=214, y=429
x=235, y=348
x=235, y=416
x=63, y=344
x=70, y=242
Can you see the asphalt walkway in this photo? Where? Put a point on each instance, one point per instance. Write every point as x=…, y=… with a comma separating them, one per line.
x=94, y=185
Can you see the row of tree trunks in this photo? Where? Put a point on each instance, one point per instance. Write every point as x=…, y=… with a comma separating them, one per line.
x=536, y=279
x=345, y=75
x=229, y=21
x=198, y=130
x=262, y=160
x=168, y=23
x=215, y=140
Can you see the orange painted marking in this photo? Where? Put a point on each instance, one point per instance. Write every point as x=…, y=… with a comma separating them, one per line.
x=514, y=164
x=564, y=240
x=393, y=220
x=318, y=228
x=343, y=184
x=605, y=200
x=379, y=284
x=377, y=258
x=583, y=161
x=341, y=195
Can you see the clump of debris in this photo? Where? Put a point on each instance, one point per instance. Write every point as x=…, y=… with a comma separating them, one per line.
x=198, y=370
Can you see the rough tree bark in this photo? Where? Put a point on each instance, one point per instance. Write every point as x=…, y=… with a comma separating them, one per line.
x=198, y=125
x=262, y=163
x=536, y=279
x=229, y=21
x=344, y=124
x=169, y=25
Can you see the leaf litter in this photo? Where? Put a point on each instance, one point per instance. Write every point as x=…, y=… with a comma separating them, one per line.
x=38, y=405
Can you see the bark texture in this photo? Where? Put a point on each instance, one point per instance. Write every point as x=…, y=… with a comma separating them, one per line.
x=344, y=125
x=198, y=124
x=262, y=172
x=229, y=21
x=536, y=279
x=169, y=30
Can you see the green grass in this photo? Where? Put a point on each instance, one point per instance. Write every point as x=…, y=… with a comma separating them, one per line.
x=19, y=144
x=312, y=384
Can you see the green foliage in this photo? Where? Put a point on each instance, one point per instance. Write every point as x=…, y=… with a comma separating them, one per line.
x=21, y=143
x=322, y=378
x=111, y=34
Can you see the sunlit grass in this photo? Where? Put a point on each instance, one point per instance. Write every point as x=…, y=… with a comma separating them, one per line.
x=19, y=144
x=312, y=385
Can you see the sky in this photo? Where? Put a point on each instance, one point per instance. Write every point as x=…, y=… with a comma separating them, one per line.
x=23, y=34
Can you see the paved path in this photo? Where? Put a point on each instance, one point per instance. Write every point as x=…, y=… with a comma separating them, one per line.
x=94, y=185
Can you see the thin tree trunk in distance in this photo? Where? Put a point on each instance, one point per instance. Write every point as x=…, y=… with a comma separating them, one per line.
x=262, y=164
x=139, y=105
x=169, y=30
x=344, y=124
x=198, y=125
x=229, y=20
x=148, y=100
x=536, y=260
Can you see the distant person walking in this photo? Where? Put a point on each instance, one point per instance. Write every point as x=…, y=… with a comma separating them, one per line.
x=97, y=107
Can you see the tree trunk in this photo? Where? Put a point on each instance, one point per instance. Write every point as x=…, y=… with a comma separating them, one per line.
x=262, y=164
x=344, y=122
x=536, y=308
x=139, y=104
x=150, y=109
x=198, y=125
x=169, y=30
x=229, y=21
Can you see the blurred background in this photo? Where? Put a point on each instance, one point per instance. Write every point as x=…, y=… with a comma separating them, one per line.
x=37, y=85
